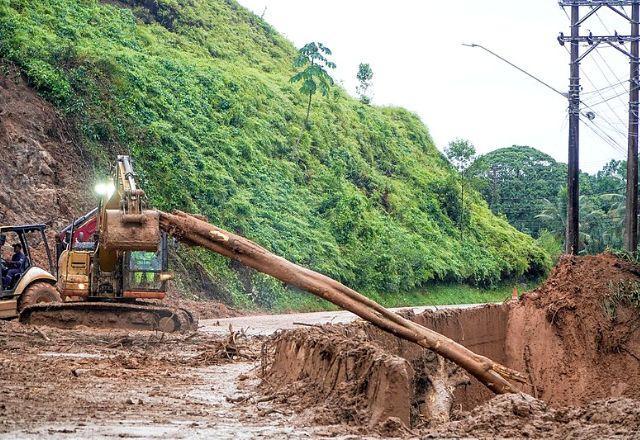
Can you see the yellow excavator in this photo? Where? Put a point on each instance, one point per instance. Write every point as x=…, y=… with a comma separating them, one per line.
x=110, y=262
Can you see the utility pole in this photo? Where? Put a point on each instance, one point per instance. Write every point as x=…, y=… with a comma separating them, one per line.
x=631, y=216
x=617, y=42
x=573, y=175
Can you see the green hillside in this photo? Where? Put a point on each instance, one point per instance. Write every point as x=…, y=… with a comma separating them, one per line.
x=198, y=92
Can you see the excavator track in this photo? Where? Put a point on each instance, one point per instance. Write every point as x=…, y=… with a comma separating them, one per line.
x=140, y=316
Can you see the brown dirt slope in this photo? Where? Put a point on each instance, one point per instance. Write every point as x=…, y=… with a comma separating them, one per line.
x=44, y=178
x=577, y=336
x=337, y=373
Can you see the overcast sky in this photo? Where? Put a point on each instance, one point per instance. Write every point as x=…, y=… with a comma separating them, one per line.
x=415, y=50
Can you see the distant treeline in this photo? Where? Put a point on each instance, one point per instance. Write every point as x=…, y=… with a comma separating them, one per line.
x=528, y=187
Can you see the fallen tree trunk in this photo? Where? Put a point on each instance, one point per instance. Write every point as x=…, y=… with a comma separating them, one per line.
x=195, y=231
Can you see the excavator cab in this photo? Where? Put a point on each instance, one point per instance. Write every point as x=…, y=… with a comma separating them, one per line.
x=25, y=283
x=133, y=274
x=146, y=273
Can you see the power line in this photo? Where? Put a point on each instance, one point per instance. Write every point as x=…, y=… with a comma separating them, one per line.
x=517, y=67
x=602, y=135
x=605, y=61
x=613, y=144
x=607, y=87
x=605, y=76
x=588, y=78
x=593, y=104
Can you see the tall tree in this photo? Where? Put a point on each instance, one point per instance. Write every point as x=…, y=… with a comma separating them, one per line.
x=516, y=180
x=461, y=154
x=313, y=62
x=365, y=77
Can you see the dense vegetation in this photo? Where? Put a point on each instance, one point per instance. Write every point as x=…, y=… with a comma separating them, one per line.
x=528, y=187
x=198, y=92
x=515, y=181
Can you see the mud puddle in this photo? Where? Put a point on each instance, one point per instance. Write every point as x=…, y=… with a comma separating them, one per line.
x=94, y=383
x=204, y=408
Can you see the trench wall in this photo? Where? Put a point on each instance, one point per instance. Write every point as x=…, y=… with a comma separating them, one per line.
x=481, y=329
x=361, y=363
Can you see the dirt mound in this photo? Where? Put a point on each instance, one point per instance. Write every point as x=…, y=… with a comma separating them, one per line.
x=360, y=375
x=202, y=309
x=577, y=336
x=522, y=416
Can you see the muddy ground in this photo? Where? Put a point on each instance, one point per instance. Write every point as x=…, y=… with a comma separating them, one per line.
x=117, y=384
x=104, y=383
x=576, y=338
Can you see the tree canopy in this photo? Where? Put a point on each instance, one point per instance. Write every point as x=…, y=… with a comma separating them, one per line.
x=516, y=180
x=314, y=63
x=364, y=77
x=528, y=187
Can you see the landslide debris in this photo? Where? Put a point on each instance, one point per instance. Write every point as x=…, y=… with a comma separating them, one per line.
x=333, y=374
x=578, y=335
x=576, y=338
x=346, y=374
x=522, y=416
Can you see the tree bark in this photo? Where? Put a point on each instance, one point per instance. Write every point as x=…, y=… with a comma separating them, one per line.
x=195, y=231
x=306, y=121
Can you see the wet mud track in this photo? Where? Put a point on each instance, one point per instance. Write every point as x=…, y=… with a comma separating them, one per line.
x=117, y=384
x=102, y=383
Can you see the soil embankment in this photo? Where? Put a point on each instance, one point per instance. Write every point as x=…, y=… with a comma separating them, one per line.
x=360, y=374
x=44, y=177
x=576, y=338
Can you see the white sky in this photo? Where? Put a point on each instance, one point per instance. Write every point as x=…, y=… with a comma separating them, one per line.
x=414, y=48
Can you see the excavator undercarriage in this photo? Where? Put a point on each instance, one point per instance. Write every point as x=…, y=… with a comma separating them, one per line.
x=133, y=316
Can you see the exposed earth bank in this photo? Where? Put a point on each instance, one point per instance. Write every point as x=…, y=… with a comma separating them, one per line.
x=576, y=339
x=44, y=178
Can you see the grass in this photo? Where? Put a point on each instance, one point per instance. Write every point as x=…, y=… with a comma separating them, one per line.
x=198, y=93
x=435, y=295
x=622, y=293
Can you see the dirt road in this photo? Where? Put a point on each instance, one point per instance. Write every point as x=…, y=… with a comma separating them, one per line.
x=65, y=384
x=268, y=324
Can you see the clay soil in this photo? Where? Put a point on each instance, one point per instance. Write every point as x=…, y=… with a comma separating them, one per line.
x=86, y=383
x=577, y=338
x=106, y=383
x=45, y=176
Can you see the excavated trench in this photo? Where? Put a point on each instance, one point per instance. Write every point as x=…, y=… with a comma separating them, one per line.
x=359, y=373
x=576, y=339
